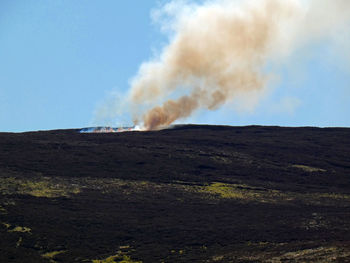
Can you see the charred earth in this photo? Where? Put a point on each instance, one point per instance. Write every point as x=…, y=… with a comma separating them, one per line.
x=187, y=194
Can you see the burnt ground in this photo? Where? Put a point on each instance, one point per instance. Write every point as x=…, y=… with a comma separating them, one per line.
x=188, y=194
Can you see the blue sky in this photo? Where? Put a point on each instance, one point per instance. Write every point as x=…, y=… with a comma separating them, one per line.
x=59, y=59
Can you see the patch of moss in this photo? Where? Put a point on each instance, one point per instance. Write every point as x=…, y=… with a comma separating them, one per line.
x=221, y=159
x=21, y=229
x=47, y=189
x=332, y=196
x=217, y=258
x=19, y=242
x=2, y=210
x=38, y=187
x=309, y=169
x=234, y=191
x=321, y=254
x=119, y=258
x=245, y=193
x=7, y=225
x=51, y=255
x=9, y=202
x=124, y=247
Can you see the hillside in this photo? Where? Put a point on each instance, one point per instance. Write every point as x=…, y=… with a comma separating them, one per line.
x=188, y=194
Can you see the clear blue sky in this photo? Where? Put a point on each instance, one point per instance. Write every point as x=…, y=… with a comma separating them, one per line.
x=60, y=58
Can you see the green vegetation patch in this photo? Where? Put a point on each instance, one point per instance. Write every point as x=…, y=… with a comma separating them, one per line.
x=19, y=242
x=216, y=190
x=7, y=225
x=320, y=254
x=21, y=229
x=2, y=210
x=245, y=193
x=119, y=258
x=37, y=186
x=51, y=255
x=241, y=192
x=309, y=169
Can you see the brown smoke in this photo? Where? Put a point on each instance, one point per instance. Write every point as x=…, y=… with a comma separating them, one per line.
x=219, y=49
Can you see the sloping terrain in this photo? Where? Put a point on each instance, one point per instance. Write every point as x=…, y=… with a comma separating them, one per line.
x=188, y=194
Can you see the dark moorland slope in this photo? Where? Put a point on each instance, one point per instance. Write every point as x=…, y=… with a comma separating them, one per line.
x=188, y=194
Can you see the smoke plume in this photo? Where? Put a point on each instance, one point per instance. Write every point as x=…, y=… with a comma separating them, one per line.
x=220, y=49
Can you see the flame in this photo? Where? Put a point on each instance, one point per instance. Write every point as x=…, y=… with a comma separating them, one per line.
x=109, y=129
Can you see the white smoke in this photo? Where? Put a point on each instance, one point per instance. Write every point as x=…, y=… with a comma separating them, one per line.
x=219, y=50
